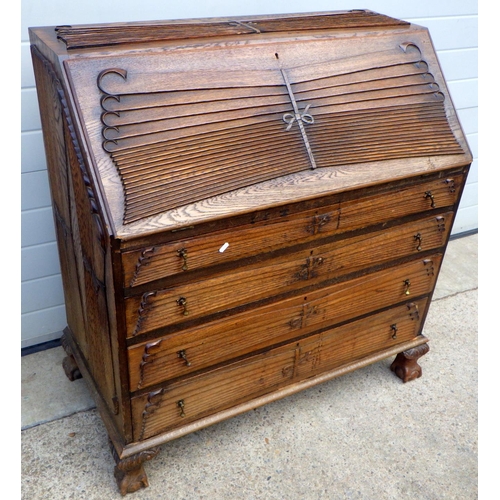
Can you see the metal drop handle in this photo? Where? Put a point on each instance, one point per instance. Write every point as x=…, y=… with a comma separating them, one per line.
x=428, y=194
x=183, y=254
x=394, y=329
x=418, y=239
x=180, y=404
x=182, y=302
x=182, y=354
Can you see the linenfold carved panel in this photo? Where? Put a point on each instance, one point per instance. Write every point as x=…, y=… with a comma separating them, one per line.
x=232, y=129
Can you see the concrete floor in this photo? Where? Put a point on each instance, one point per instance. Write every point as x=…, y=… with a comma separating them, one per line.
x=365, y=435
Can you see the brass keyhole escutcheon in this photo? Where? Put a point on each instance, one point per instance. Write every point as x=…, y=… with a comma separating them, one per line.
x=418, y=239
x=182, y=302
x=183, y=254
x=394, y=329
x=180, y=404
x=407, y=284
x=182, y=354
x=428, y=194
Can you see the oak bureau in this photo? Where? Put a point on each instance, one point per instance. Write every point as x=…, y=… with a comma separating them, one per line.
x=244, y=208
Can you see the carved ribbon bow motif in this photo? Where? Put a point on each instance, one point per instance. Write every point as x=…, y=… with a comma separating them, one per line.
x=304, y=117
x=299, y=117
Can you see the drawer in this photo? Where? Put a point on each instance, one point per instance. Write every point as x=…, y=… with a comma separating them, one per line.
x=157, y=309
x=353, y=341
x=200, y=396
x=151, y=263
x=357, y=213
x=159, y=261
x=200, y=347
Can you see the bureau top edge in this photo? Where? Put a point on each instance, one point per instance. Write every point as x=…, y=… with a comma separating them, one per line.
x=83, y=36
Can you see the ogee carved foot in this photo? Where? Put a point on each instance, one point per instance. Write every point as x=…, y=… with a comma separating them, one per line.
x=129, y=472
x=71, y=368
x=69, y=364
x=405, y=365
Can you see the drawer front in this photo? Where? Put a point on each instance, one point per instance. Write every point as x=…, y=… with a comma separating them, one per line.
x=151, y=263
x=159, y=261
x=363, y=212
x=157, y=309
x=181, y=403
x=200, y=347
x=350, y=342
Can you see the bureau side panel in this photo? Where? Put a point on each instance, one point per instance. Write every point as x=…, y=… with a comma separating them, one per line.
x=49, y=91
x=82, y=241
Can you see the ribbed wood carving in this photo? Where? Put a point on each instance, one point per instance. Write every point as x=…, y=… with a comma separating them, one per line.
x=104, y=34
x=228, y=130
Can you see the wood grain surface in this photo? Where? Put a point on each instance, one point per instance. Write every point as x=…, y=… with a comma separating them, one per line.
x=247, y=114
x=244, y=208
x=270, y=234
x=249, y=284
x=217, y=389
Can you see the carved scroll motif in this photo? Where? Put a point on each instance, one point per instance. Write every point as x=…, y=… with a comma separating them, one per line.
x=77, y=150
x=107, y=112
x=141, y=312
x=451, y=185
x=429, y=266
x=152, y=404
x=147, y=359
x=311, y=357
x=441, y=224
x=413, y=311
x=143, y=260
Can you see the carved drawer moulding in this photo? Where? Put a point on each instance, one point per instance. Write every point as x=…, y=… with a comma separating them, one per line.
x=244, y=208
